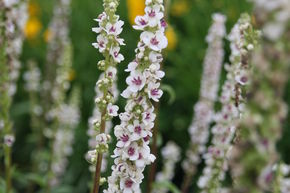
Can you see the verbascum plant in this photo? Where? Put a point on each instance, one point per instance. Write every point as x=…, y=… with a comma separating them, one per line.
x=243, y=39
x=204, y=108
x=59, y=40
x=60, y=112
x=32, y=78
x=108, y=43
x=65, y=116
x=13, y=16
x=69, y=117
x=132, y=152
x=265, y=111
x=171, y=155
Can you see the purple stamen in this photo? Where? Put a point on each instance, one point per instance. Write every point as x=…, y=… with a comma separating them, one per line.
x=137, y=81
x=154, y=41
x=131, y=151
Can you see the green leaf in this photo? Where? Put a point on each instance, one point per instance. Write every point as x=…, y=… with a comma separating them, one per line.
x=170, y=91
x=168, y=185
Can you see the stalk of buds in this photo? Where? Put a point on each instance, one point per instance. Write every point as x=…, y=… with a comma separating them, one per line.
x=108, y=43
x=132, y=153
x=92, y=132
x=171, y=155
x=203, y=110
x=243, y=39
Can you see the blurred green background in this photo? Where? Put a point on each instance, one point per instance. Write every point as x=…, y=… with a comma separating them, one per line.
x=189, y=20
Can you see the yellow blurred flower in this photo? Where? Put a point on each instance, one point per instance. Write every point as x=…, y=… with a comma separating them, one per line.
x=179, y=8
x=172, y=37
x=135, y=8
x=47, y=35
x=32, y=28
x=33, y=9
x=71, y=75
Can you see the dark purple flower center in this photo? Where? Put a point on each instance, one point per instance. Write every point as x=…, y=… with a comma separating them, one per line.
x=152, y=13
x=137, y=129
x=125, y=138
x=146, y=138
x=163, y=23
x=147, y=116
x=101, y=44
x=244, y=79
x=128, y=183
x=116, y=54
x=131, y=151
x=154, y=92
x=110, y=74
x=137, y=81
x=154, y=41
x=112, y=29
x=142, y=22
x=140, y=156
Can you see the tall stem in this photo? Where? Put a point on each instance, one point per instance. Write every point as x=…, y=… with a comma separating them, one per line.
x=153, y=167
x=99, y=158
x=8, y=169
x=187, y=182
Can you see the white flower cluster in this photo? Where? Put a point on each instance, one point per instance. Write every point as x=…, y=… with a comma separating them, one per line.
x=15, y=19
x=68, y=117
x=203, y=110
x=32, y=78
x=132, y=153
x=243, y=39
x=171, y=155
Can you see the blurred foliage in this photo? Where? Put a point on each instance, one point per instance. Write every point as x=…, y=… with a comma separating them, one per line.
x=190, y=20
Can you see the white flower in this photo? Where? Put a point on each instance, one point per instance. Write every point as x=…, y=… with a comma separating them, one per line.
x=154, y=92
x=156, y=41
x=154, y=15
x=132, y=66
x=123, y=136
x=128, y=185
x=111, y=72
x=135, y=81
x=116, y=55
x=137, y=130
x=141, y=21
x=131, y=152
x=112, y=110
x=102, y=139
x=148, y=116
x=101, y=43
x=9, y=140
x=155, y=57
x=115, y=29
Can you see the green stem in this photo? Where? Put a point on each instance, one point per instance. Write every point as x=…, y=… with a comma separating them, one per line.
x=5, y=100
x=8, y=169
x=100, y=157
